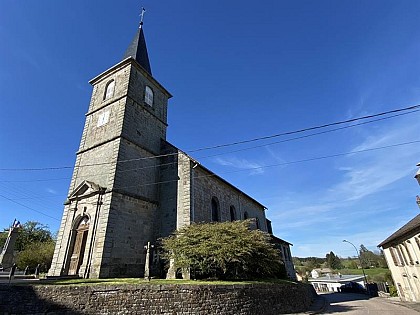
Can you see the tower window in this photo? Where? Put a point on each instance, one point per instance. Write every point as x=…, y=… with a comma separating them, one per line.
x=215, y=210
x=148, y=96
x=109, y=90
x=103, y=118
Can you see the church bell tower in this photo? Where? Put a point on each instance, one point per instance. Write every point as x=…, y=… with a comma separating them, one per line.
x=111, y=209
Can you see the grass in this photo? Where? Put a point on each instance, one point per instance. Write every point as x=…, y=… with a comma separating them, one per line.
x=369, y=272
x=374, y=274
x=128, y=281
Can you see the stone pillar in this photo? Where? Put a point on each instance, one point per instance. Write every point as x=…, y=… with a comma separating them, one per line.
x=171, y=271
x=6, y=256
x=148, y=247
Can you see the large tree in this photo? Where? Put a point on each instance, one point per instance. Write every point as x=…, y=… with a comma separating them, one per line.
x=333, y=261
x=228, y=250
x=29, y=233
x=34, y=245
x=370, y=259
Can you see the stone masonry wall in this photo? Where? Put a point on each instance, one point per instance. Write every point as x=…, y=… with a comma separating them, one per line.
x=243, y=299
x=206, y=187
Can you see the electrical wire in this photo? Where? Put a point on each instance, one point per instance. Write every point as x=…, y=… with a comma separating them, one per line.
x=242, y=170
x=283, y=163
x=37, y=211
x=412, y=109
x=307, y=129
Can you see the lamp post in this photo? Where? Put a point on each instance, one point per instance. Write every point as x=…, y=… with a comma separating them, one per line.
x=360, y=261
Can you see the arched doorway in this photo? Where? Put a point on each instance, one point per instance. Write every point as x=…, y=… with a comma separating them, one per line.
x=79, y=246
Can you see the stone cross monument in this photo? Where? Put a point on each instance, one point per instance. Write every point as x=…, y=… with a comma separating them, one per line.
x=6, y=255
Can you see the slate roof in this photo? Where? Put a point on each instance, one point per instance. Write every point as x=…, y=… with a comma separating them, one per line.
x=413, y=225
x=138, y=50
x=279, y=240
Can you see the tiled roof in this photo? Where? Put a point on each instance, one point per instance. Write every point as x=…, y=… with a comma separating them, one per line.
x=412, y=226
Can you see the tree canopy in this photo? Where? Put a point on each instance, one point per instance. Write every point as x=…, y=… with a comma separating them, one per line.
x=370, y=259
x=227, y=250
x=34, y=245
x=333, y=261
x=29, y=233
x=37, y=253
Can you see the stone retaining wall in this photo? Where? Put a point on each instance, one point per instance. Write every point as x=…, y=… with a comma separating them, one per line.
x=244, y=299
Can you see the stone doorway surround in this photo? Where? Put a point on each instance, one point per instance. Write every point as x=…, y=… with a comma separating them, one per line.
x=79, y=246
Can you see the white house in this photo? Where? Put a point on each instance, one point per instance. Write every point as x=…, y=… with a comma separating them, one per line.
x=331, y=283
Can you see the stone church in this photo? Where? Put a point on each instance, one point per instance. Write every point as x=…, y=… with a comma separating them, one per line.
x=130, y=186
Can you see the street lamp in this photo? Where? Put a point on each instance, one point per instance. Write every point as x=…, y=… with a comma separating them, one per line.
x=360, y=261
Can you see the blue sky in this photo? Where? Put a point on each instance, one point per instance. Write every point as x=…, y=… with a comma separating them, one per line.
x=238, y=70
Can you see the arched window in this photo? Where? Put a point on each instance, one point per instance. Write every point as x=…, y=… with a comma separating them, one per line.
x=84, y=223
x=257, y=223
x=215, y=210
x=232, y=213
x=148, y=95
x=109, y=90
x=245, y=215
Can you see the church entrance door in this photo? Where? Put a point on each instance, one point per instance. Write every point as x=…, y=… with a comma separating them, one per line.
x=79, y=245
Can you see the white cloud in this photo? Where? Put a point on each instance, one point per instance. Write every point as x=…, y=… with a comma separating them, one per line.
x=316, y=221
x=254, y=167
x=51, y=191
x=371, y=172
x=274, y=155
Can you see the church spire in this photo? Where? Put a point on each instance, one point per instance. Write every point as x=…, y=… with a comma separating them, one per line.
x=138, y=49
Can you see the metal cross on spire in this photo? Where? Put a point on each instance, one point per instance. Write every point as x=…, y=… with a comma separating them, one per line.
x=143, y=10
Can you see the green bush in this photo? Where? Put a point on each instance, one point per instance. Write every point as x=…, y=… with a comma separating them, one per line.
x=29, y=233
x=393, y=290
x=34, y=254
x=227, y=250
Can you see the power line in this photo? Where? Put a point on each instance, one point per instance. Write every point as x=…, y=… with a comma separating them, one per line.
x=258, y=146
x=307, y=136
x=412, y=109
x=20, y=191
x=33, y=180
x=284, y=163
x=245, y=169
x=307, y=129
x=20, y=204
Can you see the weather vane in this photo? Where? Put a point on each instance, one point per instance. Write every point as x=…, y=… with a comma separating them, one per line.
x=143, y=10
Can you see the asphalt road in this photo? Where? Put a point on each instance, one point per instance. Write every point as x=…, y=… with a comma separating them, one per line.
x=352, y=303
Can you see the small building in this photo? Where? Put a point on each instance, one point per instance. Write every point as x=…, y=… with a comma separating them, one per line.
x=319, y=272
x=284, y=249
x=332, y=283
